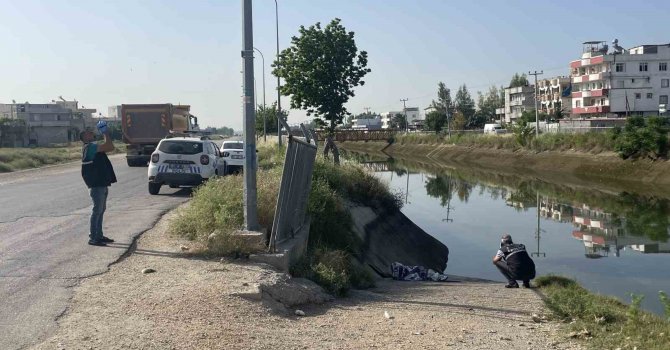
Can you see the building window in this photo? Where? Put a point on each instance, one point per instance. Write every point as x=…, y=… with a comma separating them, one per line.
x=663, y=66
x=663, y=99
x=643, y=66
x=650, y=95
x=620, y=67
x=638, y=95
x=578, y=103
x=665, y=83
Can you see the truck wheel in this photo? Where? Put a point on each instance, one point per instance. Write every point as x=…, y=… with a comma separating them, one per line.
x=131, y=163
x=154, y=188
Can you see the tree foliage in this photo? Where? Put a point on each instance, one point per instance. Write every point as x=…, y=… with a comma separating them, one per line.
x=320, y=69
x=519, y=80
x=398, y=121
x=487, y=104
x=436, y=121
x=465, y=105
x=269, y=114
x=642, y=138
x=458, y=121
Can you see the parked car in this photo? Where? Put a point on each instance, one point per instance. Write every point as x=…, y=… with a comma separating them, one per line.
x=183, y=161
x=232, y=154
x=494, y=129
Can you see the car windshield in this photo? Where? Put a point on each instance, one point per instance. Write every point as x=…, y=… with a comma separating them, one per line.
x=180, y=147
x=232, y=145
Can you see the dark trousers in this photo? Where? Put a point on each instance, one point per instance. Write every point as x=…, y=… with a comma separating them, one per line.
x=504, y=269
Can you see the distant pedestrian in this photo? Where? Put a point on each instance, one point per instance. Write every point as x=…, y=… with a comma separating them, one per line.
x=514, y=263
x=98, y=174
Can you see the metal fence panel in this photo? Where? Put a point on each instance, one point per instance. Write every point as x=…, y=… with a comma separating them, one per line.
x=296, y=183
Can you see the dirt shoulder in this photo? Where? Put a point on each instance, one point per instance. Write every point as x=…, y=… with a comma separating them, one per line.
x=189, y=303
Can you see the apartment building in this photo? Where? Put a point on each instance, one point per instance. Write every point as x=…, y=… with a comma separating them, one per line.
x=620, y=82
x=553, y=93
x=517, y=100
x=413, y=115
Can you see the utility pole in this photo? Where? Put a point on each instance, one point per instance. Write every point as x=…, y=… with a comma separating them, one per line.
x=250, y=214
x=404, y=109
x=537, y=233
x=279, y=113
x=537, y=119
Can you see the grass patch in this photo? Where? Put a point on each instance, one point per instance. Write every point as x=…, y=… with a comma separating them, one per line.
x=13, y=159
x=603, y=322
x=217, y=207
x=590, y=142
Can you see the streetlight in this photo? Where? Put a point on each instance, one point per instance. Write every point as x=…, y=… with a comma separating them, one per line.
x=278, y=80
x=265, y=123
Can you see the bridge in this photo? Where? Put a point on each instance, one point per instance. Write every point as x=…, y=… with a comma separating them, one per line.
x=358, y=135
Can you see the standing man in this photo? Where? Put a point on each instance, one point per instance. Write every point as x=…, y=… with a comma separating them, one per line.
x=98, y=174
x=514, y=263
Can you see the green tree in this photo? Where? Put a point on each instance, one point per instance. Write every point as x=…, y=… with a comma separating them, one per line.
x=519, y=80
x=458, y=121
x=436, y=121
x=320, y=70
x=268, y=113
x=398, y=121
x=642, y=137
x=444, y=103
x=487, y=105
x=529, y=116
x=465, y=104
x=441, y=187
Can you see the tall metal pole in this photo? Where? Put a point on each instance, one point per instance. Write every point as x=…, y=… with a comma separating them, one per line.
x=250, y=214
x=537, y=119
x=265, y=119
x=446, y=111
x=279, y=114
x=404, y=109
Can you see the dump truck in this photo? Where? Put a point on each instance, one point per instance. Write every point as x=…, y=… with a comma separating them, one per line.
x=144, y=125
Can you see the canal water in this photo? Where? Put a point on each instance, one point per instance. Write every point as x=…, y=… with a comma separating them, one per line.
x=613, y=243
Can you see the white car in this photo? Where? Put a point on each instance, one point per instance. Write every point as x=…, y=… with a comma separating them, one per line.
x=183, y=161
x=232, y=153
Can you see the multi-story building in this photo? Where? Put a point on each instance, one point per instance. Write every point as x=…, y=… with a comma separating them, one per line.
x=554, y=93
x=517, y=100
x=620, y=82
x=373, y=122
x=49, y=123
x=413, y=114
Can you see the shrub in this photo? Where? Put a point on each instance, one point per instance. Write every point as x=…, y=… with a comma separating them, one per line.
x=333, y=270
x=609, y=322
x=642, y=138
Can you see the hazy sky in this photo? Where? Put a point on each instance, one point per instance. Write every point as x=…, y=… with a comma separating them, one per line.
x=104, y=53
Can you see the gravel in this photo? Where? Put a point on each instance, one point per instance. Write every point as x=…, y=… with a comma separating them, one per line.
x=195, y=303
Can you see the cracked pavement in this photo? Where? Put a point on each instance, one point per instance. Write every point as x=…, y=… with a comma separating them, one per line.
x=43, y=240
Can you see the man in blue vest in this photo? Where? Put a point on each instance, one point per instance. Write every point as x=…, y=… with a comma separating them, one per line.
x=98, y=174
x=514, y=263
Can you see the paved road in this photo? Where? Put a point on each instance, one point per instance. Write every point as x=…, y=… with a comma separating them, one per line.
x=43, y=241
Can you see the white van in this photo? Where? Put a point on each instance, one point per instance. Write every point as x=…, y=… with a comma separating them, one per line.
x=494, y=129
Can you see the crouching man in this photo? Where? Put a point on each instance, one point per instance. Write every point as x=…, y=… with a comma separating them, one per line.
x=514, y=263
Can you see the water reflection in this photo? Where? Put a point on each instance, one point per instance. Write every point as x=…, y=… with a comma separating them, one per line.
x=612, y=242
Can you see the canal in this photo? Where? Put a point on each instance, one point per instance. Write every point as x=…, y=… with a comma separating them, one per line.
x=613, y=242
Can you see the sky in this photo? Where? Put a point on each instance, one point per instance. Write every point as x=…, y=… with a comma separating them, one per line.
x=105, y=53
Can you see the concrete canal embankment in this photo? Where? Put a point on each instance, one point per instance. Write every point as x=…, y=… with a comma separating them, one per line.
x=562, y=167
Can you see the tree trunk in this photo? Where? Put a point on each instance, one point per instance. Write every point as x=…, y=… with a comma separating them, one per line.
x=330, y=144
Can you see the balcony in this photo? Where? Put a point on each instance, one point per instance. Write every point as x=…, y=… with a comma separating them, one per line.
x=591, y=93
x=587, y=77
x=591, y=110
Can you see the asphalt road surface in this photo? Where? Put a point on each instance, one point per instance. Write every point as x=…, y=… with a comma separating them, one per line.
x=44, y=217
